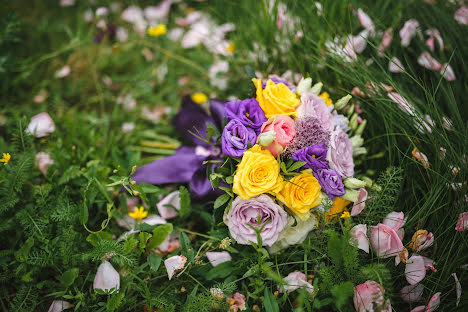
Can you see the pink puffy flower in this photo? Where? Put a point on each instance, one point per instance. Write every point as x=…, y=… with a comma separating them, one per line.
x=314, y=106
x=385, y=241
x=412, y=293
x=447, y=72
x=408, y=31
x=284, y=130
x=386, y=40
x=428, y=62
x=462, y=223
x=403, y=104
x=358, y=237
x=106, y=278
x=173, y=264
x=395, y=66
x=340, y=153
x=366, y=21
x=42, y=161
x=41, y=125
x=295, y=280
x=360, y=204
x=461, y=15
x=169, y=205
x=370, y=297
x=236, y=302
x=216, y=258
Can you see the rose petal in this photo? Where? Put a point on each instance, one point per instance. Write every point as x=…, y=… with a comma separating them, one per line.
x=415, y=269
x=216, y=258
x=172, y=199
x=395, y=220
x=412, y=293
x=458, y=287
x=173, y=264
x=358, y=237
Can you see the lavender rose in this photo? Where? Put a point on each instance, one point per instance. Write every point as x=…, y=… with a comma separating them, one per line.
x=235, y=138
x=247, y=111
x=340, y=153
x=244, y=213
x=315, y=156
x=331, y=182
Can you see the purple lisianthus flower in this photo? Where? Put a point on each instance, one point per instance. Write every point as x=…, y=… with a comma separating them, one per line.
x=314, y=156
x=247, y=111
x=235, y=138
x=277, y=80
x=244, y=214
x=331, y=182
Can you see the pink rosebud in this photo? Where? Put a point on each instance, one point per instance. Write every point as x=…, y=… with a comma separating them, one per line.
x=295, y=280
x=169, y=205
x=403, y=104
x=461, y=15
x=284, y=129
x=107, y=278
x=236, y=302
x=395, y=220
x=366, y=22
x=42, y=161
x=412, y=293
x=360, y=204
x=462, y=223
x=59, y=306
x=41, y=125
x=395, y=66
x=386, y=40
x=358, y=237
x=408, y=31
x=173, y=264
x=216, y=258
x=447, y=72
x=370, y=297
x=428, y=62
x=385, y=241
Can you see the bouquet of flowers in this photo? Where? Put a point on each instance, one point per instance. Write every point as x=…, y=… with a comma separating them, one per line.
x=287, y=160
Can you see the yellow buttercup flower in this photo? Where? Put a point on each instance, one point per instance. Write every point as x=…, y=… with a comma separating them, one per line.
x=339, y=205
x=138, y=213
x=345, y=215
x=301, y=194
x=326, y=97
x=231, y=48
x=6, y=158
x=157, y=31
x=199, y=97
x=276, y=99
x=257, y=173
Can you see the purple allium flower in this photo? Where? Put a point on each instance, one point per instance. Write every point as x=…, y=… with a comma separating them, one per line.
x=245, y=213
x=247, y=111
x=331, y=182
x=309, y=131
x=315, y=156
x=235, y=138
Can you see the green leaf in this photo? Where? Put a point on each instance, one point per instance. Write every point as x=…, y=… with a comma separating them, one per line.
x=342, y=292
x=83, y=217
x=221, y=200
x=68, y=277
x=250, y=71
x=159, y=235
x=296, y=165
x=154, y=261
x=22, y=254
x=114, y=301
x=144, y=237
x=148, y=188
x=187, y=249
x=185, y=203
x=270, y=302
x=69, y=174
x=222, y=270
x=283, y=167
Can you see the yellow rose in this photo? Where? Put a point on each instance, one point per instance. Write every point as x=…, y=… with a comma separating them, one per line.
x=276, y=99
x=301, y=194
x=257, y=173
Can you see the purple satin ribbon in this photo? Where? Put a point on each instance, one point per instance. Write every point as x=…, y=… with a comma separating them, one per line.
x=186, y=165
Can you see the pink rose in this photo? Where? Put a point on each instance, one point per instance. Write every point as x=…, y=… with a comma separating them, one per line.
x=284, y=130
x=461, y=15
x=360, y=204
x=408, y=31
x=340, y=153
x=41, y=125
x=314, y=106
x=358, y=237
x=42, y=161
x=385, y=241
x=462, y=223
x=427, y=61
x=369, y=297
x=244, y=214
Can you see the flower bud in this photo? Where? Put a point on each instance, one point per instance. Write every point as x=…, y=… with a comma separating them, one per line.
x=356, y=141
x=134, y=168
x=133, y=182
x=353, y=121
x=136, y=193
x=361, y=127
x=266, y=138
x=353, y=183
x=305, y=85
x=106, y=278
x=351, y=195
x=317, y=88
x=350, y=110
x=368, y=181
x=341, y=103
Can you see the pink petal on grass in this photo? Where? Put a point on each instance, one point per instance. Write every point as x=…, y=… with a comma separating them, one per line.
x=360, y=204
x=395, y=66
x=173, y=264
x=461, y=15
x=169, y=205
x=427, y=61
x=358, y=237
x=415, y=269
x=412, y=293
x=434, y=303
x=447, y=72
x=395, y=220
x=366, y=21
x=216, y=258
x=458, y=287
